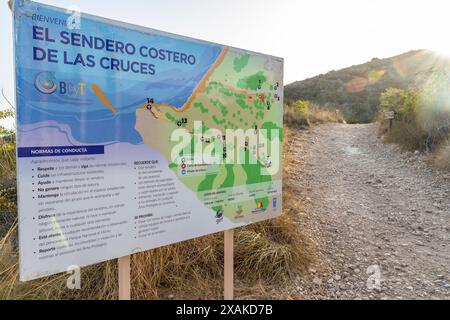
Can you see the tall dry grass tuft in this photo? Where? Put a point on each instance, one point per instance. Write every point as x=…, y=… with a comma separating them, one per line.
x=266, y=254
x=306, y=114
x=7, y=164
x=318, y=115
x=442, y=157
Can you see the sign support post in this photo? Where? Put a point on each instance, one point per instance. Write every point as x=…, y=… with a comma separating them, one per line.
x=125, y=278
x=229, y=265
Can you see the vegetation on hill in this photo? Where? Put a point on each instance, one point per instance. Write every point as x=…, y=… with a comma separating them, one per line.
x=356, y=90
x=414, y=85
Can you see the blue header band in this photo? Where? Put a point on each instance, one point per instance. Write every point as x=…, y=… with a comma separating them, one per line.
x=37, y=152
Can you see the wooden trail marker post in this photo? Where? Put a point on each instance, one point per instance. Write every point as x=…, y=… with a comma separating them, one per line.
x=390, y=116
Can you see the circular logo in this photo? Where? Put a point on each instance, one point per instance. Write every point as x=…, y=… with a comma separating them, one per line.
x=45, y=83
x=219, y=214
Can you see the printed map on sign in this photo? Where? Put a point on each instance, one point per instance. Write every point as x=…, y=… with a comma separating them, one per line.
x=239, y=91
x=131, y=139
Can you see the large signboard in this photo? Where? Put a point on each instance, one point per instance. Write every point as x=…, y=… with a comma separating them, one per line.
x=131, y=139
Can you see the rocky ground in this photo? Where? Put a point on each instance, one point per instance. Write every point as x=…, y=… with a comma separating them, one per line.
x=378, y=218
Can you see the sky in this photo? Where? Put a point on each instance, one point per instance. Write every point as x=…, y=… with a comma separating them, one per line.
x=313, y=36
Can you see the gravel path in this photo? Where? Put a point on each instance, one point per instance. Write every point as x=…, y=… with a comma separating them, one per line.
x=379, y=218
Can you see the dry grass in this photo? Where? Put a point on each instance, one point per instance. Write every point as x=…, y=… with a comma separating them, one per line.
x=404, y=134
x=267, y=255
x=317, y=115
x=295, y=119
x=411, y=135
x=7, y=164
x=442, y=157
x=312, y=116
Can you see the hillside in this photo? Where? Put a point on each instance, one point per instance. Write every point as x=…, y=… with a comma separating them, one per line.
x=356, y=90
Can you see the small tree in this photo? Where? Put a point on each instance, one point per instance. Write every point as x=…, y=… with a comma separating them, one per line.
x=7, y=155
x=403, y=102
x=6, y=114
x=301, y=106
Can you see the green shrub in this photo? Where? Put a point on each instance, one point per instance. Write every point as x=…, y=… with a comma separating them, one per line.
x=422, y=116
x=301, y=106
x=6, y=114
x=7, y=152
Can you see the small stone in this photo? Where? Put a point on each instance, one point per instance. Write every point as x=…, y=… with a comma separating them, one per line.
x=337, y=277
x=312, y=270
x=317, y=281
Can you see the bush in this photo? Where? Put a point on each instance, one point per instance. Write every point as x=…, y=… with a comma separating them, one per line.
x=7, y=152
x=405, y=130
x=6, y=114
x=301, y=106
x=422, y=116
x=294, y=119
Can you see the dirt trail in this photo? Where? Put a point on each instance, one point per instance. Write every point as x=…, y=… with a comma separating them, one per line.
x=367, y=204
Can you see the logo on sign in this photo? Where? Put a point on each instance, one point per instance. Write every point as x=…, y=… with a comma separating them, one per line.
x=46, y=83
x=219, y=216
x=239, y=212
